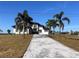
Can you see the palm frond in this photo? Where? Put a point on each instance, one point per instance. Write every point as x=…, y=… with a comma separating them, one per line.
x=56, y=15
x=66, y=19
x=17, y=19
x=61, y=14
x=20, y=15
x=25, y=13
x=62, y=25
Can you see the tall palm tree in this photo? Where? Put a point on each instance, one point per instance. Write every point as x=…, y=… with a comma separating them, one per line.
x=18, y=21
x=59, y=17
x=23, y=21
x=27, y=20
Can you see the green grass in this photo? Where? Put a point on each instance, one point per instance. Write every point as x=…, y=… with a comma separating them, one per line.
x=13, y=46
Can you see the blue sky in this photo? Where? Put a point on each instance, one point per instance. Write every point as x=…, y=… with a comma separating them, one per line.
x=40, y=11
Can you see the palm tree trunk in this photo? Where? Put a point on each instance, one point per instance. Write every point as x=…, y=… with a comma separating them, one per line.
x=23, y=31
x=50, y=30
x=19, y=32
x=53, y=30
x=59, y=30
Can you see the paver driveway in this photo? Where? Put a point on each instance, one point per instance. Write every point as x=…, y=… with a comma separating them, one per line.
x=42, y=46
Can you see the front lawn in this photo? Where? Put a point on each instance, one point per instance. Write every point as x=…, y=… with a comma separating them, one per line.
x=14, y=46
x=71, y=41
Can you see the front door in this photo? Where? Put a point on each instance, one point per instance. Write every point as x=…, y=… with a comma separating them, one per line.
x=35, y=31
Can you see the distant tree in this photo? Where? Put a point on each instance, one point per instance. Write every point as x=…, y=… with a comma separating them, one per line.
x=71, y=32
x=9, y=31
x=51, y=24
x=1, y=30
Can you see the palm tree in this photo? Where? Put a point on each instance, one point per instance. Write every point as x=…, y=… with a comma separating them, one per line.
x=59, y=17
x=1, y=30
x=27, y=20
x=23, y=21
x=18, y=20
x=9, y=31
x=51, y=24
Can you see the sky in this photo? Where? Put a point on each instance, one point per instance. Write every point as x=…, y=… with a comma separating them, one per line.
x=40, y=11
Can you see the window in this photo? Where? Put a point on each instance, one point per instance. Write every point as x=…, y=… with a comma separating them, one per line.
x=45, y=30
x=40, y=31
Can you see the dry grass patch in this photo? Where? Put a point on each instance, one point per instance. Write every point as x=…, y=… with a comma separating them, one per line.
x=71, y=41
x=13, y=46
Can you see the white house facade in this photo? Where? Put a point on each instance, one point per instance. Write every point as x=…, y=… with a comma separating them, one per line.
x=18, y=32
x=36, y=29
x=43, y=31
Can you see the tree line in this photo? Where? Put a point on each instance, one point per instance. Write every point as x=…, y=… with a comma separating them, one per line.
x=23, y=21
